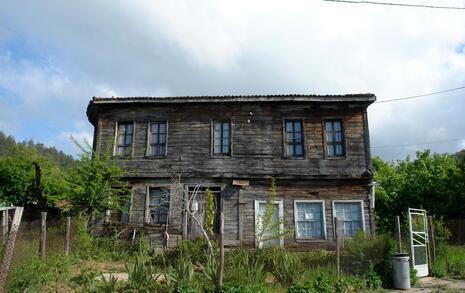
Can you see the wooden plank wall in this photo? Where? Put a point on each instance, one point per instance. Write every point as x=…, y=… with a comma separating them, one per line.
x=257, y=140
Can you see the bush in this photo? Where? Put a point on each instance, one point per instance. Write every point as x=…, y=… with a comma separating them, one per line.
x=363, y=254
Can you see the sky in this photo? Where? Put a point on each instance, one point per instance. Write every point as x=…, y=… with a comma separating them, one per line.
x=56, y=55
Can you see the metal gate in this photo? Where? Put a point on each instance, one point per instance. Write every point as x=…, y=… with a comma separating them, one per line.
x=418, y=227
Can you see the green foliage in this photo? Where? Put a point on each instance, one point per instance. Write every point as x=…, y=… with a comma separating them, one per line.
x=441, y=231
x=209, y=211
x=413, y=277
x=35, y=273
x=17, y=178
x=244, y=288
x=450, y=262
x=327, y=282
x=435, y=182
x=141, y=276
x=269, y=228
x=365, y=255
x=96, y=182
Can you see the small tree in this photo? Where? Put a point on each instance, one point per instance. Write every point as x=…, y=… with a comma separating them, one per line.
x=97, y=182
x=268, y=228
x=209, y=211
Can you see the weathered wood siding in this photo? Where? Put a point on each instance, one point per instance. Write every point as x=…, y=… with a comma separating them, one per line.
x=257, y=140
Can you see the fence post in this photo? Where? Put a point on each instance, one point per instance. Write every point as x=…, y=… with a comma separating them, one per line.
x=5, y=225
x=67, y=234
x=431, y=238
x=43, y=234
x=221, y=244
x=399, y=239
x=9, y=247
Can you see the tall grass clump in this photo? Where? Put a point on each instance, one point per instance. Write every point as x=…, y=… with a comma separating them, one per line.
x=450, y=261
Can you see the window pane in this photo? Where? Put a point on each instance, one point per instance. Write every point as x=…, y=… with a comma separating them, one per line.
x=338, y=137
x=288, y=126
x=162, y=127
x=337, y=125
x=330, y=150
x=290, y=150
x=298, y=150
x=217, y=126
x=329, y=137
x=328, y=126
x=298, y=137
x=120, y=139
x=129, y=128
x=154, y=139
x=127, y=151
x=225, y=149
x=225, y=126
x=128, y=140
x=339, y=151
x=162, y=138
x=297, y=126
x=120, y=151
x=290, y=137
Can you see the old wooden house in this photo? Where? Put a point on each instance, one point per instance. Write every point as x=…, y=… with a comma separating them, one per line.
x=317, y=148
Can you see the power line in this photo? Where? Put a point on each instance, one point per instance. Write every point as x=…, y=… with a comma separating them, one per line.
x=421, y=95
x=398, y=4
x=418, y=143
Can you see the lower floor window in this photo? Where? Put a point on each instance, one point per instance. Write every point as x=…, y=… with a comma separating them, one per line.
x=158, y=205
x=309, y=219
x=349, y=215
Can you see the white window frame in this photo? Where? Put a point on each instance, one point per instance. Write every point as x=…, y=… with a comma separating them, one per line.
x=148, y=149
x=348, y=201
x=296, y=201
x=133, y=137
x=280, y=216
x=147, y=203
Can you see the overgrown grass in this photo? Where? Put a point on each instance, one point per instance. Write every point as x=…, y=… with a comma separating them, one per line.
x=450, y=262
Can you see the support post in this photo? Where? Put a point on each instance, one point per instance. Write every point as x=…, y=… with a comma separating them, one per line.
x=240, y=224
x=43, y=234
x=4, y=226
x=67, y=234
x=221, y=244
x=431, y=238
x=338, y=249
x=9, y=247
x=398, y=233
x=185, y=216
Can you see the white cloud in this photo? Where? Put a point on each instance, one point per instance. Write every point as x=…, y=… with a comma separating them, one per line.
x=245, y=47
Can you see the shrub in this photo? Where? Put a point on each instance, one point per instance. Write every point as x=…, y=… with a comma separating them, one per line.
x=244, y=288
x=450, y=261
x=363, y=254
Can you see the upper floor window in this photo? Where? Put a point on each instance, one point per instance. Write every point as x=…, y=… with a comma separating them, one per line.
x=157, y=139
x=334, y=138
x=124, y=139
x=158, y=205
x=221, y=138
x=293, y=139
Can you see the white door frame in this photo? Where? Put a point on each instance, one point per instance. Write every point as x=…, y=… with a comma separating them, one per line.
x=419, y=239
x=280, y=216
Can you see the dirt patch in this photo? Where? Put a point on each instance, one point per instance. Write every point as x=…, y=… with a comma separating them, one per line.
x=435, y=285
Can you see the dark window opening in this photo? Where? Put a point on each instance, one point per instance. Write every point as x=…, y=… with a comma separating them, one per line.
x=216, y=202
x=334, y=136
x=221, y=138
x=294, y=138
x=158, y=205
x=158, y=139
x=124, y=137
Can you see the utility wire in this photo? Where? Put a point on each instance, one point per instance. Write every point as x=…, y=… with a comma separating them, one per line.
x=421, y=95
x=397, y=4
x=418, y=143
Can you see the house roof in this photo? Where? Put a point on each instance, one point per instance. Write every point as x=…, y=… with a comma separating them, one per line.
x=365, y=98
